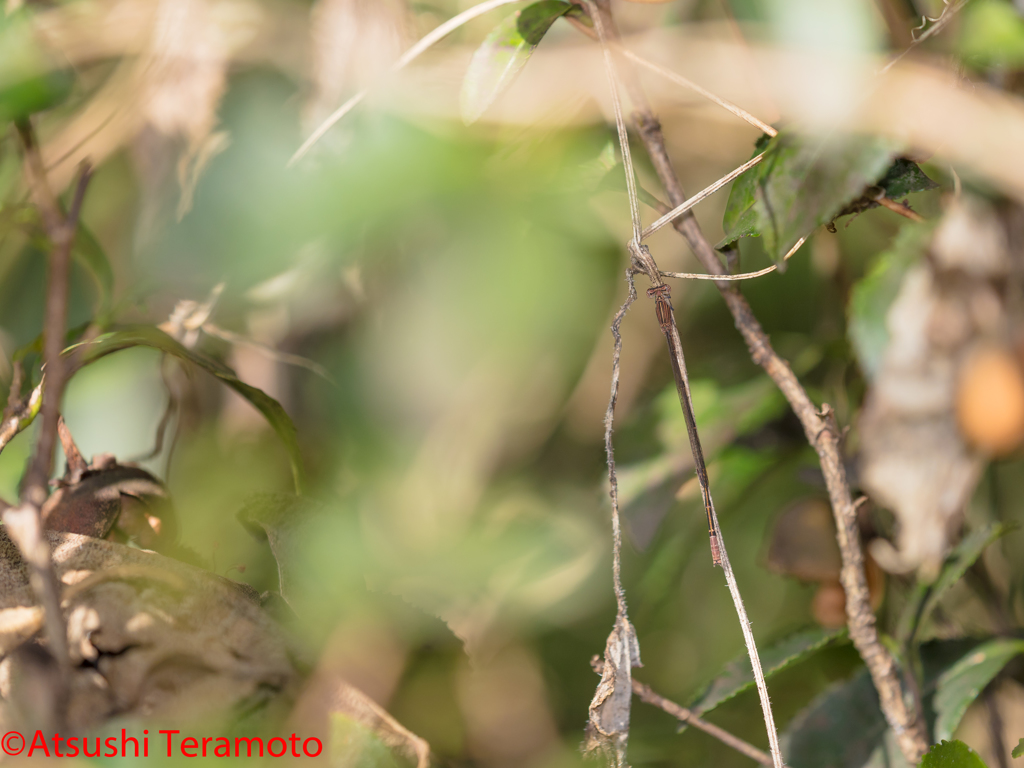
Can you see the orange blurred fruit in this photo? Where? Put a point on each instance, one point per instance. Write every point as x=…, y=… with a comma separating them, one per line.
x=990, y=400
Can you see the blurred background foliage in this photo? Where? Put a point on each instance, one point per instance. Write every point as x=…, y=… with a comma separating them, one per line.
x=453, y=287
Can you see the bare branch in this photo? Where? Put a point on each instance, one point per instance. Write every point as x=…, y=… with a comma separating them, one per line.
x=643, y=260
x=609, y=449
x=688, y=716
x=23, y=523
x=821, y=432
x=705, y=193
x=901, y=208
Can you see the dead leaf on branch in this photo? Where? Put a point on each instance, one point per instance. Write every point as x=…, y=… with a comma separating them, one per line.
x=608, y=726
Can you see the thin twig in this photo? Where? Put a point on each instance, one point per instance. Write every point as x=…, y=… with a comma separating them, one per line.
x=688, y=716
x=642, y=258
x=19, y=413
x=948, y=12
x=705, y=193
x=900, y=208
x=23, y=523
x=445, y=29
x=424, y=43
x=822, y=434
x=55, y=324
x=741, y=276
x=609, y=448
x=678, y=79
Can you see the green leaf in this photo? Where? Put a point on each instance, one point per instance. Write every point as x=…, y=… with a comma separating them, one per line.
x=803, y=182
x=503, y=54
x=149, y=336
x=992, y=34
x=90, y=254
x=875, y=292
x=85, y=249
x=31, y=79
x=844, y=727
x=952, y=754
x=841, y=728
x=738, y=676
x=961, y=683
x=1018, y=751
x=904, y=178
x=960, y=559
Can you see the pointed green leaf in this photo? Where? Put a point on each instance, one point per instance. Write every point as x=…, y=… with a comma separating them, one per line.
x=961, y=683
x=738, y=676
x=803, y=182
x=90, y=254
x=1018, y=751
x=952, y=754
x=963, y=556
x=503, y=54
x=903, y=178
x=149, y=336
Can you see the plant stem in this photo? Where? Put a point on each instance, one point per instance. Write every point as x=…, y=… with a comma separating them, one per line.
x=23, y=523
x=822, y=433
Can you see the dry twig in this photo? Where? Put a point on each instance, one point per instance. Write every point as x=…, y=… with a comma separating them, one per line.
x=643, y=261
x=23, y=523
x=823, y=435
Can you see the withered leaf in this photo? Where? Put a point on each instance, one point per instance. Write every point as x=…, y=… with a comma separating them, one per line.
x=608, y=728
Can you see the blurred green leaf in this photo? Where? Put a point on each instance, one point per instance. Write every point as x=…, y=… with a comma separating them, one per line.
x=802, y=183
x=90, y=254
x=738, y=675
x=503, y=53
x=844, y=727
x=927, y=596
x=31, y=80
x=149, y=336
x=86, y=249
x=992, y=34
x=961, y=684
x=648, y=488
x=722, y=413
x=875, y=292
x=1018, y=751
x=277, y=517
x=841, y=728
x=952, y=754
x=353, y=745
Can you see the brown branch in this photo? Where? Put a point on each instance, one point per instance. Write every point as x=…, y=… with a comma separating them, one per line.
x=684, y=715
x=23, y=523
x=819, y=427
x=62, y=235
x=901, y=208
